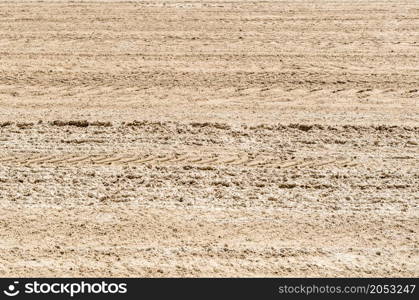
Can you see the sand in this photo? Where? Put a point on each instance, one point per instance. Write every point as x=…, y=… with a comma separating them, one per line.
x=209, y=138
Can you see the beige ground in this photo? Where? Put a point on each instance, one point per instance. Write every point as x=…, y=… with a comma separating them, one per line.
x=209, y=138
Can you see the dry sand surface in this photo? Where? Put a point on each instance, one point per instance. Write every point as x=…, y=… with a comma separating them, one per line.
x=209, y=138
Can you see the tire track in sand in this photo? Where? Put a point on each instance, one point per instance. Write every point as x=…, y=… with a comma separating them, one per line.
x=172, y=159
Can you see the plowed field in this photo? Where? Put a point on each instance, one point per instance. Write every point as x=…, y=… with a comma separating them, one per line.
x=209, y=138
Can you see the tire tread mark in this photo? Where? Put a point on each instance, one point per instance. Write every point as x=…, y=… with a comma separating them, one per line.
x=306, y=164
x=324, y=163
x=131, y=159
x=58, y=159
x=110, y=159
x=144, y=160
x=241, y=161
x=25, y=159
x=165, y=159
x=40, y=159
x=256, y=162
x=78, y=159
x=290, y=164
x=194, y=160
x=180, y=158
x=228, y=161
x=211, y=159
x=7, y=159
x=208, y=161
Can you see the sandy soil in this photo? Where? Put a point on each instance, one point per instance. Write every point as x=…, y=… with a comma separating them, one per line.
x=209, y=138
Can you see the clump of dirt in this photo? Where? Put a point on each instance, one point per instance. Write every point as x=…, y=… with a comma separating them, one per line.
x=211, y=125
x=6, y=123
x=81, y=123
